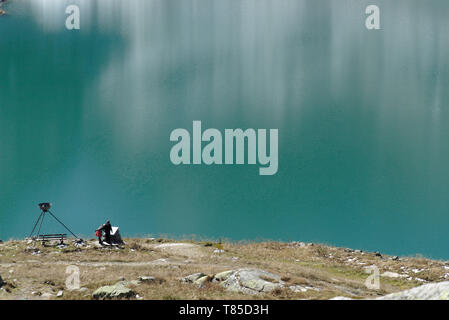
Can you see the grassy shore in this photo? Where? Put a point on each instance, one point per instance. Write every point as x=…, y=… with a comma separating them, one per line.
x=33, y=271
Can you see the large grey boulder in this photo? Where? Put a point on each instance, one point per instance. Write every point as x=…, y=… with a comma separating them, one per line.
x=117, y=291
x=246, y=280
x=432, y=291
x=251, y=281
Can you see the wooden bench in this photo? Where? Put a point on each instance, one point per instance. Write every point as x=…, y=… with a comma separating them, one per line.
x=48, y=237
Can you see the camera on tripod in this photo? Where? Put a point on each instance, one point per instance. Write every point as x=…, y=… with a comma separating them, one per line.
x=44, y=206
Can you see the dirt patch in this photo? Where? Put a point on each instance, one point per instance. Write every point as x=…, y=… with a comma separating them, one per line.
x=188, y=250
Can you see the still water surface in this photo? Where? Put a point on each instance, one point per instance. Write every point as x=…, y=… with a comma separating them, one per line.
x=363, y=119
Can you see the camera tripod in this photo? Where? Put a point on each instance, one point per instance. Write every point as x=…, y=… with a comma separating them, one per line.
x=45, y=208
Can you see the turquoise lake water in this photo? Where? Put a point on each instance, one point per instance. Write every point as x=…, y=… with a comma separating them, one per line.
x=363, y=119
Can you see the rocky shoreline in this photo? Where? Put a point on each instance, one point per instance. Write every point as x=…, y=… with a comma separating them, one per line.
x=169, y=269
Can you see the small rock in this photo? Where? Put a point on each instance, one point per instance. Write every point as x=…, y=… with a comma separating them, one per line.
x=49, y=282
x=395, y=258
x=296, y=244
x=60, y=293
x=79, y=244
x=147, y=279
x=193, y=277
x=116, y=291
x=377, y=254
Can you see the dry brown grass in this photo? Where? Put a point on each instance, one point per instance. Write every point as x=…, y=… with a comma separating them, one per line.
x=332, y=271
